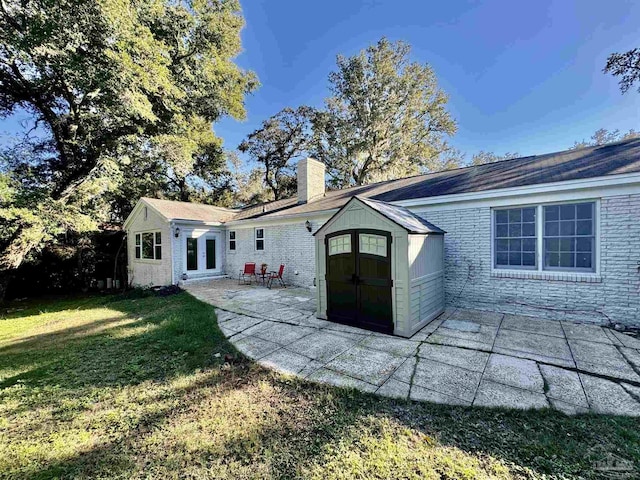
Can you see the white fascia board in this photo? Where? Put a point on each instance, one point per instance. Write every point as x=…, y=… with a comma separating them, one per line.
x=623, y=184
x=280, y=219
x=191, y=223
x=135, y=210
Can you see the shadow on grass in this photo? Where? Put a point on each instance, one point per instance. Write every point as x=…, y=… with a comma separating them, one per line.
x=145, y=384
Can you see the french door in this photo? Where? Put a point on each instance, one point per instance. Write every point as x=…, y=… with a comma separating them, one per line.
x=201, y=252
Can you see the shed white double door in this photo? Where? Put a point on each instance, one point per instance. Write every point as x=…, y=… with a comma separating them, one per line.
x=202, y=250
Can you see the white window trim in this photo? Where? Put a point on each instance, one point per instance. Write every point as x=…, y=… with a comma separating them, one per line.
x=235, y=240
x=161, y=245
x=255, y=239
x=539, y=272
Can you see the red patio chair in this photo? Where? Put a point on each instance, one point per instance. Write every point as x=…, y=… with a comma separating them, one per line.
x=276, y=276
x=248, y=272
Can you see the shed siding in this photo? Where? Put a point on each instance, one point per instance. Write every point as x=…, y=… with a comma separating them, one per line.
x=426, y=261
x=614, y=295
x=146, y=273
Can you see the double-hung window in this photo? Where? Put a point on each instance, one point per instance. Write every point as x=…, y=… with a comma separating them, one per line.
x=259, y=232
x=569, y=237
x=232, y=240
x=553, y=237
x=148, y=245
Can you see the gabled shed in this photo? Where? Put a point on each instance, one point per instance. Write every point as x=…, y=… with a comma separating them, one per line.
x=379, y=267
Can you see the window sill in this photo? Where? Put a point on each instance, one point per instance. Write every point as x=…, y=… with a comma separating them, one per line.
x=550, y=276
x=147, y=260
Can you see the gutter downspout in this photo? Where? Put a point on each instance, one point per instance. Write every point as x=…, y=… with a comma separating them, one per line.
x=173, y=252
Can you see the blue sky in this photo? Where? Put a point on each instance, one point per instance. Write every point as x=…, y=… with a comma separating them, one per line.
x=522, y=76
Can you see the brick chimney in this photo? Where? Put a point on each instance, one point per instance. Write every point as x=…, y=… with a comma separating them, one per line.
x=310, y=180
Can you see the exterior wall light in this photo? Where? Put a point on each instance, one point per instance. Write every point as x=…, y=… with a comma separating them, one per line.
x=177, y=232
x=308, y=225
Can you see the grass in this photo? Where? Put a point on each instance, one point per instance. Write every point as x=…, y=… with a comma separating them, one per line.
x=131, y=387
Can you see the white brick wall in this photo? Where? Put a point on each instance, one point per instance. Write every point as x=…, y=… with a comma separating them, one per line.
x=616, y=296
x=290, y=244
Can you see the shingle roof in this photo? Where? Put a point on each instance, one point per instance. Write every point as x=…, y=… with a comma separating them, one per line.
x=190, y=211
x=401, y=216
x=612, y=159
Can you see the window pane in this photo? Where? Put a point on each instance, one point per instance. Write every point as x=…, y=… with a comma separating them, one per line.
x=515, y=229
x=552, y=229
x=137, y=252
x=502, y=231
x=567, y=244
x=515, y=215
x=585, y=210
x=137, y=239
x=528, y=229
x=584, y=227
x=552, y=244
x=567, y=212
x=584, y=244
x=552, y=259
x=566, y=260
x=192, y=253
x=502, y=245
x=341, y=244
x=529, y=214
x=515, y=258
x=259, y=233
x=502, y=216
x=529, y=259
x=259, y=244
x=158, y=252
x=552, y=213
x=568, y=227
x=373, y=244
x=515, y=245
x=232, y=245
x=147, y=245
x=232, y=235
x=583, y=260
x=158, y=238
x=529, y=245
x=502, y=259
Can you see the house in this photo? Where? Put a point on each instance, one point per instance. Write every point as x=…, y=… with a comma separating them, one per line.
x=554, y=235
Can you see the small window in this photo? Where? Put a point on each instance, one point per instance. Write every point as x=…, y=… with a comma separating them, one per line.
x=569, y=237
x=138, y=245
x=232, y=240
x=259, y=238
x=373, y=244
x=158, y=246
x=515, y=238
x=340, y=244
x=148, y=245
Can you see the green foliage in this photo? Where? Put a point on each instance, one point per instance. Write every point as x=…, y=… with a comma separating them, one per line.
x=122, y=94
x=603, y=136
x=483, y=157
x=626, y=66
x=282, y=138
x=387, y=118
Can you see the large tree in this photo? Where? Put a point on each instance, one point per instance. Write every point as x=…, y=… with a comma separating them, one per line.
x=115, y=87
x=483, y=157
x=602, y=136
x=276, y=144
x=386, y=118
x=625, y=65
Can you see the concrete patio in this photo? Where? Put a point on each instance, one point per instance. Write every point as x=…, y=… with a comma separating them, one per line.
x=464, y=357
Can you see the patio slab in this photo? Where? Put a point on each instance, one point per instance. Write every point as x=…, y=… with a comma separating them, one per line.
x=492, y=394
x=371, y=366
x=462, y=357
x=516, y=372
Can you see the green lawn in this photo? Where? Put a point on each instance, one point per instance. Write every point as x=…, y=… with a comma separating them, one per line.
x=108, y=387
